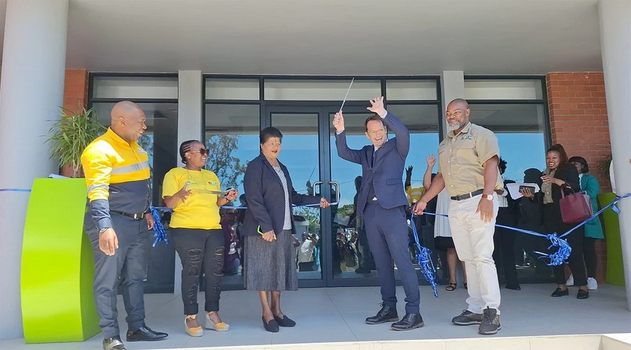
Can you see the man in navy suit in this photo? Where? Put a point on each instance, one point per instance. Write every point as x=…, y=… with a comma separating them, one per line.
x=382, y=201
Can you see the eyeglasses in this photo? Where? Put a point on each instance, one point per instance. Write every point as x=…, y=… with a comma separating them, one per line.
x=202, y=151
x=376, y=132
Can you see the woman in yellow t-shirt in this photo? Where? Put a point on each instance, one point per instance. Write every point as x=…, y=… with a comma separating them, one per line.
x=195, y=196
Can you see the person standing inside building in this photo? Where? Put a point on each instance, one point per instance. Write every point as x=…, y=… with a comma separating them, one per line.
x=382, y=202
x=118, y=222
x=468, y=169
x=504, y=254
x=195, y=195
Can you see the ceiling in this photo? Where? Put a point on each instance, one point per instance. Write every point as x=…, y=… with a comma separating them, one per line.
x=331, y=37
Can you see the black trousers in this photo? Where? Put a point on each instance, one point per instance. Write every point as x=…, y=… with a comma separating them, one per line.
x=201, y=251
x=127, y=268
x=589, y=254
x=504, y=241
x=387, y=231
x=552, y=222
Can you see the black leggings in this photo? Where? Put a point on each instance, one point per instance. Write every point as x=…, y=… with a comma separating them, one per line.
x=201, y=251
x=552, y=223
x=589, y=254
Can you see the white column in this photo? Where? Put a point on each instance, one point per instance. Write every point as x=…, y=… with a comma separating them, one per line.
x=189, y=127
x=33, y=68
x=615, y=41
x=452, y=86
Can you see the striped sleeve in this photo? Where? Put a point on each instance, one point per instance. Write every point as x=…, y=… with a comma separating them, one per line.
x=97, y=168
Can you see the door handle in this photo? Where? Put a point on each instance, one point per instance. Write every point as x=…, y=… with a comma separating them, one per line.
x=313, y=189
x=337, y=190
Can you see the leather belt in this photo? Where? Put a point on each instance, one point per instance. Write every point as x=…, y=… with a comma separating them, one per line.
x=138, y=216
x=467, y=195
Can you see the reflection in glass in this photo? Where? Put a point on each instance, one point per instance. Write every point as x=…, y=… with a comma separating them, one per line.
x=520, y=131
x=351, y=256
x=232, y=138
x=354, y=259
x=300, y=154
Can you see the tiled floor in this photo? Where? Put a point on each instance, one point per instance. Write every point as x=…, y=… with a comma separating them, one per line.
x=327, y=315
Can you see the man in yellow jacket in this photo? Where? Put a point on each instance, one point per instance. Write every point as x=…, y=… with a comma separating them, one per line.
x=118, y=222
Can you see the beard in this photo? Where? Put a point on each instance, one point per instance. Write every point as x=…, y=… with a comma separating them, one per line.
x=455, y=126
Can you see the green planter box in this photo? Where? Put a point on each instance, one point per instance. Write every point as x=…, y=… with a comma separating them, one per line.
x=615, y=269
x=57, y=265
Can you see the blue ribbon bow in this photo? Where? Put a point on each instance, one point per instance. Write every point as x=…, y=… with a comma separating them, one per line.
x=424, y=259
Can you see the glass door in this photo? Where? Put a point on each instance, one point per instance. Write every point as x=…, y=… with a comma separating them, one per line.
x=327, y=242
x=301, y=154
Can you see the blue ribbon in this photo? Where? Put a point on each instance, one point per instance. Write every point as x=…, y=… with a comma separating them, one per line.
x=557, y=258
x=424, y=258
x=315, y=205
x=14, y=190
x=159, y=233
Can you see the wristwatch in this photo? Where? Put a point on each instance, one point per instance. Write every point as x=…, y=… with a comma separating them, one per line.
x=488, y=196
x=103, y=230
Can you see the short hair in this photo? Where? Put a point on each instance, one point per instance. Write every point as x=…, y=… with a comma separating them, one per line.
x=582, y=162
x=185, y=147
x=502, y=165
x=459, y=100
x=532, y=175
x=358, y=182
x=374, y=117
x=268, y=133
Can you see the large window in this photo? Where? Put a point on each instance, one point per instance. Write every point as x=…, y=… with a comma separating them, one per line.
x=515, y=110
x=157, y=96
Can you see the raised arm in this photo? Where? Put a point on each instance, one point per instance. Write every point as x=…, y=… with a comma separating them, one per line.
x=343, y=151
x=427, y=177
x=401, y=132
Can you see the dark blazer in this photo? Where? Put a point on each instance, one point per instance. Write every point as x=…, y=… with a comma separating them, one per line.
x=554, y=222
x=570, y=176
x=266, y=198
x=386, y=172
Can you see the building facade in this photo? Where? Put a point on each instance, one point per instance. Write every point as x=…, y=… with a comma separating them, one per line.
x=54, y=54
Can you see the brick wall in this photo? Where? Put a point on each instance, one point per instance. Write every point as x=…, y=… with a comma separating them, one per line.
x=578, y=117
x=76, y=89
x=578, y=120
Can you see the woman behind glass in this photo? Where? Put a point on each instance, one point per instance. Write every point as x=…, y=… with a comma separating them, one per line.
x=268, y=229
x=195, y=196
x=558, y=176
x=593, y=229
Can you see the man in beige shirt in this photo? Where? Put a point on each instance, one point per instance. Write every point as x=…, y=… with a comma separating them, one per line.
x=468, y=170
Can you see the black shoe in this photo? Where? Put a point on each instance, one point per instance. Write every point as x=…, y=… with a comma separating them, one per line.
x=113, y=343
x=285, y=321
x=513, y=287
x=582, y=294
x=560, y=292
x=271, y=326
x=409, y=321
x=145, y=333
x=386, y=314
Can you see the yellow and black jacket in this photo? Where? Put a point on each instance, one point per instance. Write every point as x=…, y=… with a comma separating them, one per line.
x=117, y=174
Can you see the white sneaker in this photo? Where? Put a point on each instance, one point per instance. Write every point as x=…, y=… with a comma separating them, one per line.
x=592, y=284
x=570, y=281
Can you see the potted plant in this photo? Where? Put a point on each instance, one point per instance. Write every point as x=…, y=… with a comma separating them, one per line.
x=70, y=135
